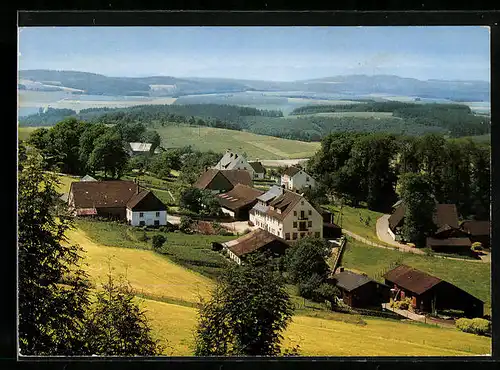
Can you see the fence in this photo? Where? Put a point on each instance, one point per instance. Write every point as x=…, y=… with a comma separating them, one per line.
x=343, y=242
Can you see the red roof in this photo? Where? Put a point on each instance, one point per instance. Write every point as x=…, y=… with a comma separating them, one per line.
x=411, y=279
x=100, y=194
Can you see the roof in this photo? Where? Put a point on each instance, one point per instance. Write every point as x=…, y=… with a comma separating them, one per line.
x=411, y=279
x=397, y=203
x=476, y=228
x=206, y=178
x=228, y=161
x=284, y=203
x=99, y=194
x=237, y=177
x=445, y=214
x=272, y=193
x=140, y=147
x=146, y=201
x=448, y=242
x=253, y=241
x=240, y=196
x=88, y=178
x=257, y=167
x=291, y=171
x=350, y=281
x=331, y=225
x=86, y=212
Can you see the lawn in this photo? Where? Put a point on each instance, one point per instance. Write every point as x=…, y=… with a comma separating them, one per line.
x=191, y=251
x=474, y=278
x=148, y=272
x=175, y=325
x=24, y=132
x=218, y=140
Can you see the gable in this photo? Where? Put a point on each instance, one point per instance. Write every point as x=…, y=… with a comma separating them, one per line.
x=146, y=201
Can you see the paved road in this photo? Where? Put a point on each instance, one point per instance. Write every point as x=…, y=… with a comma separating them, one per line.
x=237, y=226
x=383, y=235
x=281, y=162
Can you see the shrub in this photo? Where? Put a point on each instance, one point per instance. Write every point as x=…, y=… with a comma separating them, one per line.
x=157, y=241
x=185, y=224
x=403, y=304
x=142, y=236
x=475, y=326
x=307, y=289
x=226, y=233
x=476, y=246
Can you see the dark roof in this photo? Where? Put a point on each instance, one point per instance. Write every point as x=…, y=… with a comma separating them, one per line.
x=237, y=176
x=206, y=178
x=253, y=241
x=291, y=171
x=476, y=228
x=241, y=195
x=99, y=194
x=146, y=201
x=331, y=225
x=445, y=214
x=411, y=279
x=257, y=167
x=350, y=281
x=284, y=203
x=457, y=242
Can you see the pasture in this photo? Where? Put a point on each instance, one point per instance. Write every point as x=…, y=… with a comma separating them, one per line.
x=216, y=139
x=23, y=132
x=474, y=278
x=175, y=326
x=374, y=115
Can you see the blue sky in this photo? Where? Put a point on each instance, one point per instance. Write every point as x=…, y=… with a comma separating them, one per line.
x=267, y=53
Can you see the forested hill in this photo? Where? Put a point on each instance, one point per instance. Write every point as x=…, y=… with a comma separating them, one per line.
x=306, y=123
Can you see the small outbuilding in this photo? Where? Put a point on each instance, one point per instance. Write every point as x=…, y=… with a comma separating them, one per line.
x=221, y=181
x=259, y=170
x=478, y=231
x=239, y=201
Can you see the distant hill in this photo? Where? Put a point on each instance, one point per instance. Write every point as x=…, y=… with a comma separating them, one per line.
x=353, y=85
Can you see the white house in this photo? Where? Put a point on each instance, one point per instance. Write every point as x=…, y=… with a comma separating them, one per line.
x=297, y=179
x=286, y=214
x=259, y=170
x=234, y=161
x=145, y=209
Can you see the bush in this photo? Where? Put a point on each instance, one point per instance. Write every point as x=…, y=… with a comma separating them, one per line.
x=185, y=225
x=142, y=236
x=404, y=304
x=477, y=246
x=158, y=241
x=307, y=289
x=475, y=326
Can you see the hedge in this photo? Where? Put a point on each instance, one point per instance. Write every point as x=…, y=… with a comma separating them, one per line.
x=475, y=326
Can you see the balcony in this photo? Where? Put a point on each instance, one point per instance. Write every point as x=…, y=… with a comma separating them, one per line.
x=302, y=218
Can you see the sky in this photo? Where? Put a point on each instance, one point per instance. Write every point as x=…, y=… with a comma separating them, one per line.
x=260, y=53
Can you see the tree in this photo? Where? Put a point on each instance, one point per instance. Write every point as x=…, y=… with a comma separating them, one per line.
x=116, y=326
x=191, y=200
x=53, y=289
x=152, y=136
x=109, y=155
x=246, y=313
x=185, y=224
x=420, y=206
x=87, y=142
x=306, y=258
x=158, y=241
x=130, y=132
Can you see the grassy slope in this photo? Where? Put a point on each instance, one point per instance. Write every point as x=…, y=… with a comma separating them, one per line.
x=378, y=338
x=23, y=133
x=471, y=277
x=255, y=146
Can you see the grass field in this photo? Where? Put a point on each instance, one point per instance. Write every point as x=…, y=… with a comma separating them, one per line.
x=65, y=182
x=191, y=251
x=175, y=325
x=350, y=114
x=218, y=140
x=471, y=277
x=23, y=133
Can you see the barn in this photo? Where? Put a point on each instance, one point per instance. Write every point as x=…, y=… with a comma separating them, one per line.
x=239, y=201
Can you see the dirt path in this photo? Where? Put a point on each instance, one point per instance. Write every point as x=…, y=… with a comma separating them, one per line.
x=383, y=235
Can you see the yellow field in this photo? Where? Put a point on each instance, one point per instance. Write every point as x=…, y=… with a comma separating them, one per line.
x=147, y=272
x=322, y=337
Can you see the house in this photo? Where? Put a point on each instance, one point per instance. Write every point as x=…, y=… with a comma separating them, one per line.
x=238, y=201
x=478, y=231
x=121, y=200
x=258, y=240
x=221, y=181
x=234, y=161
x=87, y=178
x=429, y=293
x=449, y=239
x=145, y=209
x=330, y=229
x=359, y=291
x=286, y=214
x=295, y=178
x=259, y=170
x=134, y=149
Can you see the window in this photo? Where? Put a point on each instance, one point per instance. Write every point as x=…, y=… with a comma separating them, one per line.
x=309, y=223
x=295, y=213
x=294, y=224
x=302, y=214
x=307, y=178
x=157, y=222
x=287, y=236
x=302, y=203
x=310, y=213
x=141, y=214
x=142, y=223
x=294, y=236
x=302, y=235
x=157, y=214
x=317, y=234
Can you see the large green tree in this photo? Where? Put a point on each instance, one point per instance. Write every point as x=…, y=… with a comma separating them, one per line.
x=246, y=314
x=87, y=142
x=109, y=155
x=306, y=258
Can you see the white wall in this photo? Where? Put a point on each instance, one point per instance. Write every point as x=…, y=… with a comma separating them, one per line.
x=258, y=175
x=315, y=218
x=233, y=256
x=242, y=164
x=299, y=181
x=227, y=211
x=148, y=217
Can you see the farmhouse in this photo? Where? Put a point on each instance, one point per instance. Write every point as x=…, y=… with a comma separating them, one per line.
x=478, y=231
x=134, y=149
x=297, y=179
x=286, y=214
x=238, y=201
x=145, y=209
x=258, y=240
x=234, y=161
x=431, y=294
x=259, y=170
x=120, y=200
x=359, y=291
x=221, y=181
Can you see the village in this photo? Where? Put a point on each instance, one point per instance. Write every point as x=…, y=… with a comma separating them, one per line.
x=268, y=213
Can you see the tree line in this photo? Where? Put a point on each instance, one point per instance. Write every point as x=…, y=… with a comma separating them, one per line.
x=368, y=168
